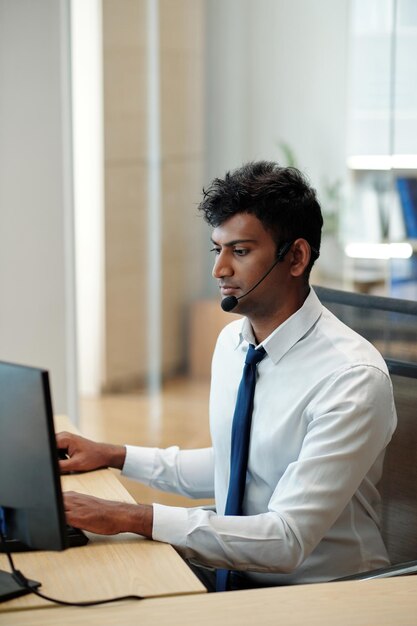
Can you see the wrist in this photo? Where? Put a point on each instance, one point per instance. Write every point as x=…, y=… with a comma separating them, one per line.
x=137, y=518
x=114, y=456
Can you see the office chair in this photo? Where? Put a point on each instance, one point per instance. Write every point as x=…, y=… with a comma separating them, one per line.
x=391, y=325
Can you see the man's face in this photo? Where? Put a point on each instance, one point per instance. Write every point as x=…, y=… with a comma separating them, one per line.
x=245, y=251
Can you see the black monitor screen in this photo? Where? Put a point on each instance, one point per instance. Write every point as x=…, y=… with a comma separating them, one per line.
x=30, y=489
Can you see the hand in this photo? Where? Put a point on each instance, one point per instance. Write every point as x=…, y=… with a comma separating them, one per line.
x=107, y=517
x=85, y=455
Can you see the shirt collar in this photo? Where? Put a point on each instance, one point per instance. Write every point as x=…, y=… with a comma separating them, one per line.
x=286, y=335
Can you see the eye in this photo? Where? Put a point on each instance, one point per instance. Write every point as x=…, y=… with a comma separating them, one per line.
x=215, y=250
x=240, y=251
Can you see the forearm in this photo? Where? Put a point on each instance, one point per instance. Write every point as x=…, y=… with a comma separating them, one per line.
x=137, y=518
x=261, y=543
x=113, y=455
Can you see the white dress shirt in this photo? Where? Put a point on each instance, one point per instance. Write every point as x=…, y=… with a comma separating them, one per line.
x=323, y=414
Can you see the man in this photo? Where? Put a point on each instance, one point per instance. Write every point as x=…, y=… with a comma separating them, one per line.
x=322, y=412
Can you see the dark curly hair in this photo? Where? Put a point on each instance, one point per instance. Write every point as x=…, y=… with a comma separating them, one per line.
x=280, y=197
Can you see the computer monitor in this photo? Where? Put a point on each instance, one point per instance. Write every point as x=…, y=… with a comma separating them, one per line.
x=30, y=489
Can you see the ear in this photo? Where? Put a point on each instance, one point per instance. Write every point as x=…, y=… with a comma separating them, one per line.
x=300, y=257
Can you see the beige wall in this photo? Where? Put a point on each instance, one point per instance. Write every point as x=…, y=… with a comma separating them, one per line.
x=126, y=171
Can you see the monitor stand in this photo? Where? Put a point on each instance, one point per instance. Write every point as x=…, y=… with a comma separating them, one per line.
x=10, y=589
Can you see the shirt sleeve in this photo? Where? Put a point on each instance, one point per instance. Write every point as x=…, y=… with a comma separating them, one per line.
x=187, y=472
x=350, y=422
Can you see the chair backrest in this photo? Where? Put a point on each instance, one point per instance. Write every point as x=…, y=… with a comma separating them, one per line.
x=398, y=486
x=391, y=325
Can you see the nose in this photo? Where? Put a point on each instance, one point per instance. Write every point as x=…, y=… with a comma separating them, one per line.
x=222, y=266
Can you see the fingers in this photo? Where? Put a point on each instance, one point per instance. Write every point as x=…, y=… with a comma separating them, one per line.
x=107, y=517
x=68, y=465
x=76, y=507
x=74, y=500
x=92, y=514
x=84, y=455
x=77, y=455
x=63, y=439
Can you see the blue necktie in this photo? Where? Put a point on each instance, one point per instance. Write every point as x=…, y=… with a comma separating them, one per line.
x=241, y=426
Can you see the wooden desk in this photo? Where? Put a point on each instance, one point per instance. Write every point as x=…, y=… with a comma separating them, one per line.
x=387, y=602
x=106, y=566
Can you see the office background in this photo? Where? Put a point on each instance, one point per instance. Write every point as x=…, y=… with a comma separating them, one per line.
x=113, y=116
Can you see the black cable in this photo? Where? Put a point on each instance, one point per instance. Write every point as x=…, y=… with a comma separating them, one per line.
x=23, y=582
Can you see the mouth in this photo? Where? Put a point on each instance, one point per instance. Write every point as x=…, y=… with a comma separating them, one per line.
x=227, y=290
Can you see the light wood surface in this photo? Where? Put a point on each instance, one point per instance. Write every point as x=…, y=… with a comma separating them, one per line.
x=106, y=566
x=388, y=602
